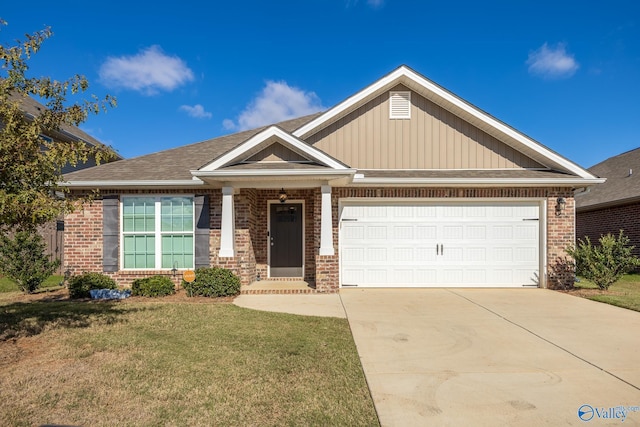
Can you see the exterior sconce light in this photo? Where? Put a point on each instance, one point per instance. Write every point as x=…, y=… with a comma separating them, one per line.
x=174, y=270
x=282, y=196
x=560, y=205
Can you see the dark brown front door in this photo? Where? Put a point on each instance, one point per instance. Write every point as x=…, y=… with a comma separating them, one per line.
x=285, y=240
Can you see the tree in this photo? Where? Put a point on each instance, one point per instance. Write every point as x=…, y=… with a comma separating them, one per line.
x=605, y=264
x=31, y=193
x=23, y=260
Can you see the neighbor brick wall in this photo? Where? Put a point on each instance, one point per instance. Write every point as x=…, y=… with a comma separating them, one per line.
x=596, y=223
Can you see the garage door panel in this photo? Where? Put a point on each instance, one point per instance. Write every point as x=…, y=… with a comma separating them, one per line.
x=377, y=232
x=440, y=245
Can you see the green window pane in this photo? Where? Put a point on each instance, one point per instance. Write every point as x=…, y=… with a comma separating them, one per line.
x=138, y=214
x=139, y=251
x=177, y=251
x=176, y=223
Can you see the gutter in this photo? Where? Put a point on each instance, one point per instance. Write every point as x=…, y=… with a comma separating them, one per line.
x=465, y=182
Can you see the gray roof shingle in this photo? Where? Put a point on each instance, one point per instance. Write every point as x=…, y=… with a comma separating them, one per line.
x=175, y=163
x=622, y=186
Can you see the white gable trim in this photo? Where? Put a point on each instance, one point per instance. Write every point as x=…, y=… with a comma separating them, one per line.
x=452, y=103
x=287, y=139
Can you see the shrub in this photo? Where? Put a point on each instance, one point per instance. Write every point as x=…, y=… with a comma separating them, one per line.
x=24, y=261
x=79, y=286
x=605, y=264
x=154, y=286
x=213, y=282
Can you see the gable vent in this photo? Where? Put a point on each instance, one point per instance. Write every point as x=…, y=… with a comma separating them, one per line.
x=400, y=105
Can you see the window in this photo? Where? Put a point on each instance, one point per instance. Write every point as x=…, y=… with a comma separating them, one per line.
x=157, y=232
x=400, y=105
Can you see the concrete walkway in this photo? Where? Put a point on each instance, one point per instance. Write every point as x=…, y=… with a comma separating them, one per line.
x=487, y=357
x=323, y=305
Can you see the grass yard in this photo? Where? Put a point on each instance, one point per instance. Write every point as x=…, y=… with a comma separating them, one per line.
x=625, y=293
x=7, y=285
x=158, y=363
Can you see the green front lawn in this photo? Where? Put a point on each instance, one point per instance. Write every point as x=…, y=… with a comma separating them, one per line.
x=179, y=363
x=7, y=285
x=625, y=293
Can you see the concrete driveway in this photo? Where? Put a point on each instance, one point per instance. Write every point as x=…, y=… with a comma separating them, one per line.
x=488, y=357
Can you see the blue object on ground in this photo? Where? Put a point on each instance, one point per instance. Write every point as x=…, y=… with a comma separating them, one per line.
x=110, y=293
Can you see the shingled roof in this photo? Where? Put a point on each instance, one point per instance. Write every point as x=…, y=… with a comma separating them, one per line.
x=622, y=186
x=31, y=107
x=175, y=163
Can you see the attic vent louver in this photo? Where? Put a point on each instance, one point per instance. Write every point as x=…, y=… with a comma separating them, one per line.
x=400, y=105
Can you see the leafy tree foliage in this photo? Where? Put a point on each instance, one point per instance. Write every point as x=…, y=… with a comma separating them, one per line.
x=30, y=166
x=606, y=263
x=24, y=261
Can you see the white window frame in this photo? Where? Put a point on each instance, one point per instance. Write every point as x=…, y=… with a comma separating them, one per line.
x=404, y=96
x=158, y=233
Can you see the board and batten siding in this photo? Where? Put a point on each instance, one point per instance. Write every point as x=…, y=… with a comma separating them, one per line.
x=276, y=152
x=433, y=138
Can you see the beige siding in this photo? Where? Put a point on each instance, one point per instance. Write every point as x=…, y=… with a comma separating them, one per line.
x=276, y=152
x=433, y=138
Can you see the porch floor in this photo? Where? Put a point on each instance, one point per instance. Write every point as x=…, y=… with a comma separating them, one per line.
x=278, y=287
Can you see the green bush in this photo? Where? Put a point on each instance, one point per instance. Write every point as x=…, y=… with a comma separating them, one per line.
x=23, y=260
x=154, y=286
x=605, y=264
x=79, y=286
x=213, y=282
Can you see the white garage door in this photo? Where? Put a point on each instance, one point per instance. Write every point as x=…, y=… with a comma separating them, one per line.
x=409, y=244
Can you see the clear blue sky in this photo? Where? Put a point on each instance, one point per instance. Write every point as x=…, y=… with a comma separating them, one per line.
x=566, y=73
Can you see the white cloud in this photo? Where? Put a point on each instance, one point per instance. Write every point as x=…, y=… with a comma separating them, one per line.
x=148, y=72
x=277, y=102
x=376, y=4
x=197, y=111
x=552, y=62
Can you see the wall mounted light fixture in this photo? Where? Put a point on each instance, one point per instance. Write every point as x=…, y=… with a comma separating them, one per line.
x=282, y=196
x=561, y=203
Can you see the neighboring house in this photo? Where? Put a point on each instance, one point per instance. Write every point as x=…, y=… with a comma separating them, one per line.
x=53, y=232
x=614, y=205
x=401, y=184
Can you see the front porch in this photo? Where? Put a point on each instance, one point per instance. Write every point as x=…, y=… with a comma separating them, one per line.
x=297, y=286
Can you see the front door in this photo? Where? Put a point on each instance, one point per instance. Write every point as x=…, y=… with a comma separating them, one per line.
x=285, y=240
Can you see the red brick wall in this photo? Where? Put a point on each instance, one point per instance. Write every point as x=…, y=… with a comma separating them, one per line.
x=594, y=224
x=83, y=231
x=83, y=239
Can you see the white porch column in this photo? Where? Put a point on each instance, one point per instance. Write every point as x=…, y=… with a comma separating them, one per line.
x=326, y=223
x=227, y=225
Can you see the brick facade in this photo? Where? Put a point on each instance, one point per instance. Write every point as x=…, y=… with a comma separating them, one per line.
x=596, y=223
x=83, y=230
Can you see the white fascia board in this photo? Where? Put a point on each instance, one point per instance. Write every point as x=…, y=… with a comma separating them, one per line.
x=265, y=173
x=134, y=183
x=447, y=97
x=272, y=131
x=465, y=182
